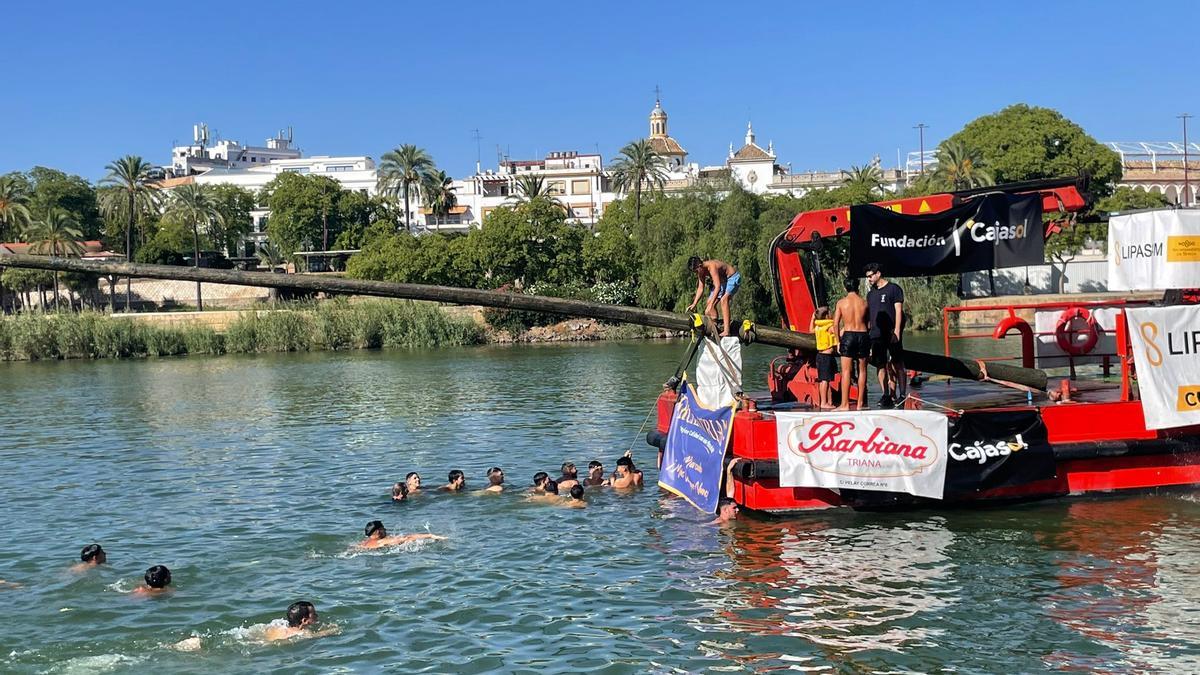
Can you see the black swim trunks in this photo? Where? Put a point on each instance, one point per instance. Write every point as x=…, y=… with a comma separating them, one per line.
x=826, y=367
x=885, y=350
x=855, y=344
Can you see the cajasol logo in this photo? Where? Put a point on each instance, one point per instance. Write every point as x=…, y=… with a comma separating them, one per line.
x=981, y=451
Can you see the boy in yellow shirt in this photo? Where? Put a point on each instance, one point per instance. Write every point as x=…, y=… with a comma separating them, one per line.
x=821, y=327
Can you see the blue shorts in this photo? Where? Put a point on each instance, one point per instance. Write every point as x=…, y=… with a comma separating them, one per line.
x=731, y=285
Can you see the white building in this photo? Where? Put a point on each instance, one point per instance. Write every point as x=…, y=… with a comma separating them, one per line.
x=200, y=156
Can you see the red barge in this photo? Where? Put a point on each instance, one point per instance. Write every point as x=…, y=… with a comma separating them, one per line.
x=1097, y=434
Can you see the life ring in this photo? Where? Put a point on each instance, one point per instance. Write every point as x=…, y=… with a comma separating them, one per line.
x=1065, y=336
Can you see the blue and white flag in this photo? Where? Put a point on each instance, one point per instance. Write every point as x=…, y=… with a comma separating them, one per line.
x=694, y=457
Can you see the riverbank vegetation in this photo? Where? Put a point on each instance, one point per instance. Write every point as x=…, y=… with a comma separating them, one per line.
x=336, y=325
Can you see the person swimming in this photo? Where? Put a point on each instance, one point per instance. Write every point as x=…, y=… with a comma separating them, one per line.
x=727, y=512
x=627, y=475
x=457, y=481
x=575, y=500
x=91, y=556
x=495, y=476
x=570, y=476
x=377, y=536
x=595, y=477
x=157, y=578
x=413, y=480
x=547, y=493
x=301, y=621
x=539, y=481
x=400, y=492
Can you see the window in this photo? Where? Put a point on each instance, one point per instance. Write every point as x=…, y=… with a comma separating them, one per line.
x=253, y=159
x=296, y=169
x=557, y=187
x=581, y=187
x=339, y=167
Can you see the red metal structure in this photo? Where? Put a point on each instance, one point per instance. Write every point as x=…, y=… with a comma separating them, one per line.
x=1099, y=438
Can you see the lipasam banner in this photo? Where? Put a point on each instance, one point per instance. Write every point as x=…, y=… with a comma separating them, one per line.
x=988, y=232
x=1154, y=250
x=885, y=450
x=1166, y=359
x=694, y=455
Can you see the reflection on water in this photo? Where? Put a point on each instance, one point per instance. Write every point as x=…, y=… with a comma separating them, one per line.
x=251, y=478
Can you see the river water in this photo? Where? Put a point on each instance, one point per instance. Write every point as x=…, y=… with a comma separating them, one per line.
x=252, y=476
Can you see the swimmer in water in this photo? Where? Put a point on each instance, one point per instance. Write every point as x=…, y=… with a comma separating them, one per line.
x=91, y=556
x=547, y=493
x=301, y=622
x=400, y=492
x=595, y=477
x=377, y=536
x=157, y=579
x=413, y=480
x=570, y=476
x=575, y=501
x=727, y=512
x=627, y=475
x=457, y=481
x=495, y=476
x=539, y=482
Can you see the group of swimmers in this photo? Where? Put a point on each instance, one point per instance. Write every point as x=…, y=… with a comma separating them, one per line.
x=567, y=490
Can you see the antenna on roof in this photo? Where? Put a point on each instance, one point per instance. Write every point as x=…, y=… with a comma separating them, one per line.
x=478, y=157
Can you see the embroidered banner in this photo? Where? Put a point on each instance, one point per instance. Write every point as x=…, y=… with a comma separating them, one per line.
x=694, y=456
x=885, y=450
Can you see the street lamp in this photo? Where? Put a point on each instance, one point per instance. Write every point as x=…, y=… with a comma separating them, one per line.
x=921, y=132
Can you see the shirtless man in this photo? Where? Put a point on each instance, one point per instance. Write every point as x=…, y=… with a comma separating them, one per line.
x=575, y=500
x=495, y=476
x=413, y=480
x=725, y=282
x=157, y=579
x=850, y=323
x=301, y=618
x=726, y=512
x=570, y=476
x=627, y=475
x=91, y=556
x=595, y=477
x=377, y=537
x=539, y=482
x=548, y=493
x=457, y=481
x=400, y=492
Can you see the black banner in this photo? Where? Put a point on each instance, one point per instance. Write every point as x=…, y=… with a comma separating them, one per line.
x=988, y=232
x=997, y=449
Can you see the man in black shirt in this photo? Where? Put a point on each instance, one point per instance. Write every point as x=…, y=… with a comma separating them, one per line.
x=885, y=303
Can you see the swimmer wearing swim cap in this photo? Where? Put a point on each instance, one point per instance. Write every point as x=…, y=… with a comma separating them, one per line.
x=157, y=578
x=377, y=536
x=91, y=556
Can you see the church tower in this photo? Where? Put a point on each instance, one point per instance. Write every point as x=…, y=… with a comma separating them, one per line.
x=661, y=141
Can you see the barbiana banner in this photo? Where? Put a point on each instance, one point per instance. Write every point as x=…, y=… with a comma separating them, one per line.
x=885, y=450
x=1154, y=250
x=1166, y=357
x=988, y=232
x=694, y=456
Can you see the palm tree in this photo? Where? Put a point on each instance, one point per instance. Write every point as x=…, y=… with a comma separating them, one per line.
x=439, y=193
x=195, y=205
x=639, y=167
x=868, y=178
x=961, y=168
x=128, y=194
x=13, y=212
x=57, y=233
x=403, y=170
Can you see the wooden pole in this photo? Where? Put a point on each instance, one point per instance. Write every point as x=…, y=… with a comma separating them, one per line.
x=927, y=363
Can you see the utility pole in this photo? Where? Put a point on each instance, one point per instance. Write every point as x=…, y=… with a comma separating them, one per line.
x=921, y=131
x=478, y=155
x=1187, y=186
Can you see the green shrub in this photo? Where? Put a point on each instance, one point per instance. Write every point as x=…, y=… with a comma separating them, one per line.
x=203, y=340
x=165, y=341
x=285, y=331
x=119, y=338
x=242, y=335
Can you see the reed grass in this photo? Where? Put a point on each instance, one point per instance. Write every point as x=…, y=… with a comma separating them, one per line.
x=335, y=324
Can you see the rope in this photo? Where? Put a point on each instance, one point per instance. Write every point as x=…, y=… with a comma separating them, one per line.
x=984, y=377
x=936, y=405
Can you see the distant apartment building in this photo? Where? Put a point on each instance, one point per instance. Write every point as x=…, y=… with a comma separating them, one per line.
x=576, y=180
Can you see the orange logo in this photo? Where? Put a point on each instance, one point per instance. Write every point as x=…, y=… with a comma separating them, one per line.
x=1189, y=399
x=1183, y=249
x=1149, y=333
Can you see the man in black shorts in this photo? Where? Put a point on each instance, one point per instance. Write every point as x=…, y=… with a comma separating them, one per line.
x=885, y=303
x=850, y=324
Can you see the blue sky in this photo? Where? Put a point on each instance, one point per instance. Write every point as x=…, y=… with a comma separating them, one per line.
x=831, y=83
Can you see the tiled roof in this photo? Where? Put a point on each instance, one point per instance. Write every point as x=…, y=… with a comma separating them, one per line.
x=665, y=145
x=751, y=151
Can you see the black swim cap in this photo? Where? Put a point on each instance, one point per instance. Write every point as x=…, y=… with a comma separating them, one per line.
x=158, y=576
x=373, y=527
x=89, y=552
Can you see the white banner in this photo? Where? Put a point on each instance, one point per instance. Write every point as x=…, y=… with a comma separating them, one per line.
x=886, y=450
x=1154, y=250
x=714, y=372
x=1166, y=356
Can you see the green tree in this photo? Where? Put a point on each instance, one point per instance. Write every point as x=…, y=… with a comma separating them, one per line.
x=439, y=193
x=1024, y=142
x=403, y=170
x=303, y=211
x=533, y=187
x=638, y=168
x=53, y=189
x=14, y=214
x=128, y=195
x=868, y=178
x=960, y=168
x=56, y=234
x=195, y=204
x=234, y=203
